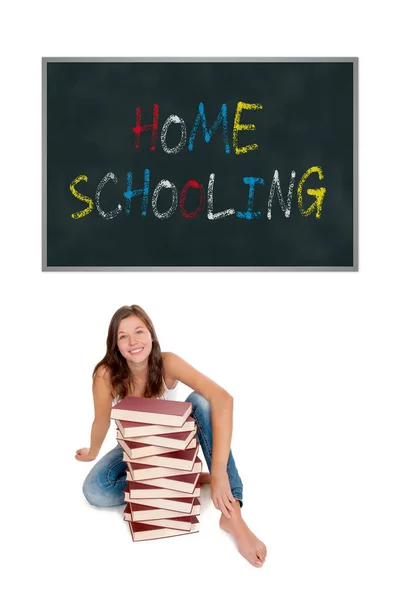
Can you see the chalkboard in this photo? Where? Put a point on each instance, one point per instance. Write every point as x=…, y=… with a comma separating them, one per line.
x=199, y=163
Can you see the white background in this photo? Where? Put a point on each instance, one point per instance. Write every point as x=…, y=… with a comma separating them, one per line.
x=310, y=358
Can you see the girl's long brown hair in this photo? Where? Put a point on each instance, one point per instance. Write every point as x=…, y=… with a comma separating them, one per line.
x=120, y=375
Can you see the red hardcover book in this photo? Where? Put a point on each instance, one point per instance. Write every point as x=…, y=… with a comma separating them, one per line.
x=136, y=490
x=152, y=410
x=181, y=483
x=176, y=441
x=178, y=459
x=130, y=429
x=143, y=512
x=138, y=450
x=142, y=531
x=139, y=471
x=182, y=523
x=184, y=505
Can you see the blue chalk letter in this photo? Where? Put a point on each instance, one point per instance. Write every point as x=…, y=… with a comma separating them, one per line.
x=249, y=214
x=201, y=116
x=129, y=194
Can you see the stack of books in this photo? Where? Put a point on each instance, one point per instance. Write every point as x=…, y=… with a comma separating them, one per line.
x=158, y=439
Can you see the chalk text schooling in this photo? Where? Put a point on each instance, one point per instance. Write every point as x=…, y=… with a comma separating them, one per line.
x=179, y=199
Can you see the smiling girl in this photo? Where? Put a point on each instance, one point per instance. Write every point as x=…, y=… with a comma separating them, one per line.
x=135, y=366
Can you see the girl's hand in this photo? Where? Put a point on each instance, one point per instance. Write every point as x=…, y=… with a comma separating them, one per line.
x=83, y=454
x=221, y=494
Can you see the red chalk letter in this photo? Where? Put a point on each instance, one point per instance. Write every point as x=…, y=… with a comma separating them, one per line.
x=195, y=184
x=137, y=130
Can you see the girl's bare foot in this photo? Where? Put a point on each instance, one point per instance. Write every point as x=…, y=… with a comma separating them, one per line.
x=248, y=544
x=204, y=478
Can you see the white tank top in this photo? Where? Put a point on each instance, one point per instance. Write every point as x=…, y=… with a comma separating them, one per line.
x=169, y=394
x=166, y=395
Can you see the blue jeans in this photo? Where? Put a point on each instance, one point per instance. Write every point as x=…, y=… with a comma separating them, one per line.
x=105, y=483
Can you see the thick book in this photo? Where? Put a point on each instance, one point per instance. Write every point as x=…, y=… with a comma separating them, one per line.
x=180, y=483
x=184, y=505
x=139, y=471
x=138, y=512
x=175, y=441
x=131, y=429
x=152, y=410
x=142, y=531
x=137, y=490
x=183, y=523
x=177, y=459
x=138, y=450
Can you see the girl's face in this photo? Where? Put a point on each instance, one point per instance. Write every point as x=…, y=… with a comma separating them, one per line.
x=134, y=340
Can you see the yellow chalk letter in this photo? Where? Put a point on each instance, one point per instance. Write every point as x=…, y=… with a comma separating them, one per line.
x=238, y=126
x=88, y=209
x=319, y=194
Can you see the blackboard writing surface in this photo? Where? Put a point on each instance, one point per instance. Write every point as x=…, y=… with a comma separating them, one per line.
x=171, y=164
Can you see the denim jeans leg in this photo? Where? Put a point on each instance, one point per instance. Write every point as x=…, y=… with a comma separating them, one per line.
x=105, y=483
x=201, y=413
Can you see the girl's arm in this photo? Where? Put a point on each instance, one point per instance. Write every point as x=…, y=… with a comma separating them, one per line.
x=221, y=418
x=102, y=397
